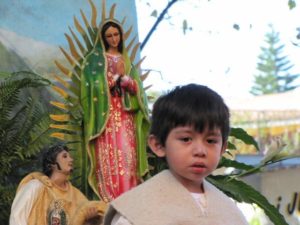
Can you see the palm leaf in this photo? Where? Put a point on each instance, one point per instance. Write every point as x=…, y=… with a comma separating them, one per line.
x=19, y=120
x=224, y=162
x=243, y=192
x=242, y=135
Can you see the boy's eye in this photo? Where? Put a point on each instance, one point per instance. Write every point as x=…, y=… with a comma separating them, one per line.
x=212, y=141
x=185, y=139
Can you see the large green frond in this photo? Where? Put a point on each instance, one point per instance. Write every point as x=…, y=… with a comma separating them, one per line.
x=243, y=192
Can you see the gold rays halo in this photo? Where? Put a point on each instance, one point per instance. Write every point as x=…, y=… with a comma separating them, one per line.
x=67, y=85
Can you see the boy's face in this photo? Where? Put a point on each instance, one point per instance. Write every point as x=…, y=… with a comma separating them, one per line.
x=191, y=155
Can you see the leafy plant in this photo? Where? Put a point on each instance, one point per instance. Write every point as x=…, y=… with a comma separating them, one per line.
x=24, y=123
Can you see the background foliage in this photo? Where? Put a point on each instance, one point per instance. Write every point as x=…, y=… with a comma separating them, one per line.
x=24, y=132
x=274, y=68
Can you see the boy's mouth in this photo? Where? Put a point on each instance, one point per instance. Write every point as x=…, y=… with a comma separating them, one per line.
x=198, y=165
x=198, y=168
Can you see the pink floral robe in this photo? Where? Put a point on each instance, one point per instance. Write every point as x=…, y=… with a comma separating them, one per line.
x=116, y=146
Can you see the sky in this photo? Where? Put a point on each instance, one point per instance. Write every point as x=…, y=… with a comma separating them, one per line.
x=47, y=21
x=213, y=53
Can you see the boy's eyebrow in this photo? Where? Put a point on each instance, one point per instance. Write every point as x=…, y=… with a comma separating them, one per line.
x=214, y=132
x=183, y=129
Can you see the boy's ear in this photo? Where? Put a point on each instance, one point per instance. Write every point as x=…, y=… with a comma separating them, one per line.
x=156, y=146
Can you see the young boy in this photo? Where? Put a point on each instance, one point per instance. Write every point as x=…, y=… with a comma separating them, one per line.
x=190, y=127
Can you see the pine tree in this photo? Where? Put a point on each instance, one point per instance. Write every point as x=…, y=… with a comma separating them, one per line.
x=274, y=69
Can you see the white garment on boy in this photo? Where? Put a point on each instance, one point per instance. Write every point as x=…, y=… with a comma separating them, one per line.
x=162, y=200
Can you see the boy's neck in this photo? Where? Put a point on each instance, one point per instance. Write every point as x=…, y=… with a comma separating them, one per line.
x=198, y=191
x=192, y=187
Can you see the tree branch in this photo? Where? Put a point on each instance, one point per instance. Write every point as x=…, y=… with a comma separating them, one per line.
x=159, y=19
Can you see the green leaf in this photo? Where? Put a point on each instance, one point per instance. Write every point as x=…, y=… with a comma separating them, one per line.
x=4, y=75
x=154, y=13
x=284, y=156
x=224, y=162
x=184, y=26
x=231, y=146
x=236, y=26
x=243, y=192
x=292, y=4
x=242, y=135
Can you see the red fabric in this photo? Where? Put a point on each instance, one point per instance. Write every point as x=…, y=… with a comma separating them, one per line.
x=116, y=146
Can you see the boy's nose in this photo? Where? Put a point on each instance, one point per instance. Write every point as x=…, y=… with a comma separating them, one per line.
x=199, y=150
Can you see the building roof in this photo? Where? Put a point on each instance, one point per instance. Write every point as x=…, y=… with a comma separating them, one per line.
x=287, y=101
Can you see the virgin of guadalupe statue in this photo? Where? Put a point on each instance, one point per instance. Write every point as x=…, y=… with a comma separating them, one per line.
x=114, y=114
x=113, y=104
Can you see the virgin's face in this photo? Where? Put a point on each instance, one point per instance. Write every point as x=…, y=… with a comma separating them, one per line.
x=112, y=36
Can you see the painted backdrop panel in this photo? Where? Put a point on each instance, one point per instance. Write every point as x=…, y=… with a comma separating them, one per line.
x=31, y=31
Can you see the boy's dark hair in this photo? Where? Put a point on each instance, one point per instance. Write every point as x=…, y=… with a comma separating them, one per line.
x=192, y=105
x=49, y=158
